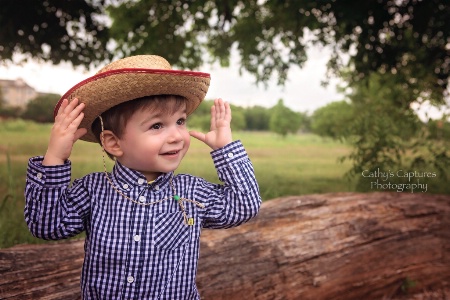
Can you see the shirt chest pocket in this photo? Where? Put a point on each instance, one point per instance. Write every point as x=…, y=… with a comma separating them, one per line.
x=170, y=232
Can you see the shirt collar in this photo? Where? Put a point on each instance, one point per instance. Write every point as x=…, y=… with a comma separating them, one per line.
x=129, y=177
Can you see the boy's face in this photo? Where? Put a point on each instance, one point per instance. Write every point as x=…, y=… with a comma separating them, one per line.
x=154, y=142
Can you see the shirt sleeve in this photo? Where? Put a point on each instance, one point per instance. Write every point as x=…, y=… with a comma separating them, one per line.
x=235, y=201
x=51, y=212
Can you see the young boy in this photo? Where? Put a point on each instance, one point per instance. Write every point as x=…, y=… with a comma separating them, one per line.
x=142, y=221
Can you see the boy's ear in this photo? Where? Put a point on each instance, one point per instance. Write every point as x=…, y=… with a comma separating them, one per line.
x=111, y=143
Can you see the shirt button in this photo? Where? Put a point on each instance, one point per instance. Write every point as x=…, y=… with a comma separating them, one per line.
x=39, y=175
x=125, y=186
x=141, y=181
x=230, y=155
x=142, y=199
x=137, y=238
x=130, y=279
x=157, y=187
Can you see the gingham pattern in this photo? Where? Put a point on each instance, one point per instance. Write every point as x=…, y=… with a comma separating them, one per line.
x=134, y=251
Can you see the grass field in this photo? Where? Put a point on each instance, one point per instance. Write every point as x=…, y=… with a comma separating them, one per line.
x=295, y=165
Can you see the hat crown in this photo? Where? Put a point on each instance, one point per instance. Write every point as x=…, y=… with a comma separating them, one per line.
x=138, y=62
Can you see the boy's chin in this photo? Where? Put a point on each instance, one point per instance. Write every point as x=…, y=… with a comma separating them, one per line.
x=171, y=168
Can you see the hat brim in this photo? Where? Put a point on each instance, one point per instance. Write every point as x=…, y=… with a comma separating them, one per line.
x=105, y=90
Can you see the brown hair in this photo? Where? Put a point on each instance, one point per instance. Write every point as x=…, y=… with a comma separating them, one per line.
x=116, y=118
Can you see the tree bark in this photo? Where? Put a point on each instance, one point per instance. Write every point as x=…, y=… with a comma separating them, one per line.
x=329, y=246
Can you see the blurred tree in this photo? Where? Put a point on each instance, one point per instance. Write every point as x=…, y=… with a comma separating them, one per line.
x=238, y=118
x=283, y=120
x=200, y=119
x=54, y=30
x=409, y=38
x=10, y=112
x=257, y=118
x=406, y=37
x=386, y=134
x=305, y=123
x=41, y=108
x=439, y=129
x=333, y=120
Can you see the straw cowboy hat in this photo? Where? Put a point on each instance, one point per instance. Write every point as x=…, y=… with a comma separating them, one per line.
x=134, y=77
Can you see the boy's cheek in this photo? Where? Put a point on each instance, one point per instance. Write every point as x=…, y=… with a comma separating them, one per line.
x=187, y=143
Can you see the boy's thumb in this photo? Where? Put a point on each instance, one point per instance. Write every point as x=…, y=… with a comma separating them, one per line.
x=198, y=135
x=79, y=133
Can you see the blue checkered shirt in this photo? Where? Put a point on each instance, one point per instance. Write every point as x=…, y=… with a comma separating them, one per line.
x=134, y=251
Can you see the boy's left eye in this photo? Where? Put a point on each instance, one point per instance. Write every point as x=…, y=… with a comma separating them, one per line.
x=181, y=121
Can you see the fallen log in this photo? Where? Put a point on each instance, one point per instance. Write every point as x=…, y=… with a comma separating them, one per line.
x=332, y=246
x=329, y=246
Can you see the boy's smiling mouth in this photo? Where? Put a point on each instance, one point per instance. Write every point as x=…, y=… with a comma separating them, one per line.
x=175, y=152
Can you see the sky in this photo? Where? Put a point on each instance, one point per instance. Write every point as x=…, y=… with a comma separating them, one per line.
x=302, y=92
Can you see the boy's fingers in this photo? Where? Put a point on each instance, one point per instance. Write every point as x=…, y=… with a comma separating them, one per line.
x=74, y=115
x=71, y=105
x=63, y=106
x=218, y=108
x=227, y=111
x=213, y=117
x=76, y=122
x=223, y=110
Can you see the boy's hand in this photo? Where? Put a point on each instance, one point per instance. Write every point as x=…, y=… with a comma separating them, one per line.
x=220, y=132
x=65, y=132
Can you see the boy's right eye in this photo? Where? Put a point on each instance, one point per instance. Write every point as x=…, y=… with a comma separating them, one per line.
x=156, y=126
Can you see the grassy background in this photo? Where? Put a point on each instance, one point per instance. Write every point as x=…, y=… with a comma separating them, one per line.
x=295, y=165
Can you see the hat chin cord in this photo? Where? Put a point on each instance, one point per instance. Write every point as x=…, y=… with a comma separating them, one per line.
x=180, y=200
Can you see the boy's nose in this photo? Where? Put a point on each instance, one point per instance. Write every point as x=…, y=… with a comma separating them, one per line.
x=175, y=135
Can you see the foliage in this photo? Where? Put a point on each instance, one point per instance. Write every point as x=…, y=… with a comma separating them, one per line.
x=257, y=118
x=439, y=129
x=238, y=118
x=10, y=112
x=305, y=121
x=201, y=117
x=386, y=134
x=54, y=30
x=333, y=119
x=41, y=108
x=170, y=29
x=283, y=120
x=409, y=38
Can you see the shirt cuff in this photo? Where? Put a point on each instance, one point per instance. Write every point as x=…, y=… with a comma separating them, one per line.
x=231, y=153
x=48, y=175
